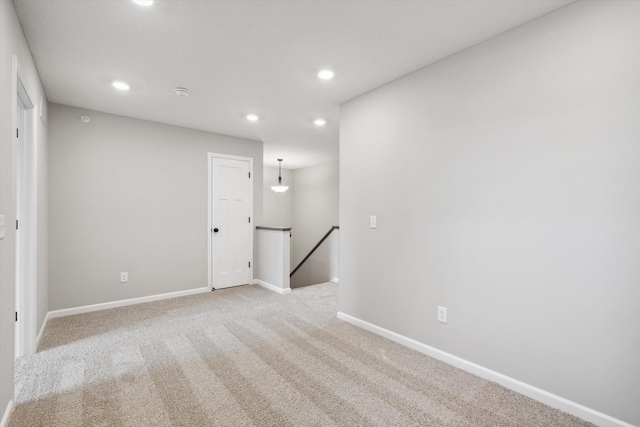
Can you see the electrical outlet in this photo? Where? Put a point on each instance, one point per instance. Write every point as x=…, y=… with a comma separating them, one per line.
x=442, y=314
x=124, y=277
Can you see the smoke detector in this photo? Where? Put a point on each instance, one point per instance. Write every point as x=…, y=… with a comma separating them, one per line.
x=85, y=119
x=182, y=92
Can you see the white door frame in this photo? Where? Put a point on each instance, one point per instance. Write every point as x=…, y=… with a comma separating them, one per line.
x=25, y=203
x=210, y=157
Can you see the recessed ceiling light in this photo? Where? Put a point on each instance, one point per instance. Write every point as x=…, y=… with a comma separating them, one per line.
x=320, y=122
x=143, y=2
x=325, y=74
x=182, y=92
x=85, y=119
x=120, y=85
x=252, y=117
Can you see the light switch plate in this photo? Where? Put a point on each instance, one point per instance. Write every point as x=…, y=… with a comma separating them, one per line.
x=373, y=221
x=2, y=226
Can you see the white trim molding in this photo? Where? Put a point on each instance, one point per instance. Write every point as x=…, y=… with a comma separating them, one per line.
x=274, y=288
x=122, y=303
x=7, y=414
x=528, y=390
x=41, y=333
x=25, y=178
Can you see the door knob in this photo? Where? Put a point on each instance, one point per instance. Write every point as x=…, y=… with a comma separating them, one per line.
x=215, y=230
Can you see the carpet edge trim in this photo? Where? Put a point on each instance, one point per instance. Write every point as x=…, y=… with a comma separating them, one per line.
x=555, y=401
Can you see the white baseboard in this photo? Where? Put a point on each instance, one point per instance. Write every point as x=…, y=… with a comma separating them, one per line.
x=535, y=393
x=335, y=280
x=122, y=303
x=44, y=324
x=271, y=287
x=7, y=414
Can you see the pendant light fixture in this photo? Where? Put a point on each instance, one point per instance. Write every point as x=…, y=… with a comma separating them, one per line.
x=279, y=188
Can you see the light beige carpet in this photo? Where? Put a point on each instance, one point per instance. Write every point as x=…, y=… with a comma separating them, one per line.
x=247, y=356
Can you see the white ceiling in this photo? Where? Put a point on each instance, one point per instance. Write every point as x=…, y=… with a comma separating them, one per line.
x=238, y=57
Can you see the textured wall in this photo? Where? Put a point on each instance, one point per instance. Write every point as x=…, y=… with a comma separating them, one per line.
x=506, y=182
x=130, y=195
x=273, y=261
x=278, y=207
x=315, y=206
x=12, y=42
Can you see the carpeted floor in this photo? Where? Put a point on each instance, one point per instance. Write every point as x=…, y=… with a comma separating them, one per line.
x=247, y=356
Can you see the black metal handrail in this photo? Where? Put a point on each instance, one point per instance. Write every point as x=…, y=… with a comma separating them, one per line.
x=335, y=227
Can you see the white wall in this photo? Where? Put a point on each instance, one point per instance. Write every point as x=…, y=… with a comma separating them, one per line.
x=12, y=42
x=278, y=207
x=315, y=206
x=274, y=259
x=506, y=182
x=130, y=195
x=334, y=255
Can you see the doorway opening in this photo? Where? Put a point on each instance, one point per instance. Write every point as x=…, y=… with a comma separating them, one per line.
x=25, y=213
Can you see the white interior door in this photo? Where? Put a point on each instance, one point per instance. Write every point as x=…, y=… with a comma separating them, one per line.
x=231, y=222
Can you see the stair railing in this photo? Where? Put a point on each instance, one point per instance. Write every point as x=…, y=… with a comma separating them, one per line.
x=335, y=227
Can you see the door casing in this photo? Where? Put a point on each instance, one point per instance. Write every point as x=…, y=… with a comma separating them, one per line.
x=25, y=209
